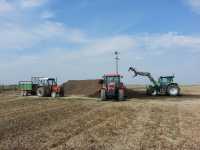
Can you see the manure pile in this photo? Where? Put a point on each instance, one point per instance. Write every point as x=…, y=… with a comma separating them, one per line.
x=89, y=88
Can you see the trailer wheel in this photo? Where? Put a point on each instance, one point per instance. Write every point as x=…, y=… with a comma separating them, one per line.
x=53, y=94
x=121, y=95
x=41, y=92
x=103, y=94
x=173, y=90
x=22, y=93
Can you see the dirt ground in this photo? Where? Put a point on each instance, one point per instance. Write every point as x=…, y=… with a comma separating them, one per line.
x=78, y=123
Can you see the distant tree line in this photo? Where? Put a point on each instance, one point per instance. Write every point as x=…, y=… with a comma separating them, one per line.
x=8, y=88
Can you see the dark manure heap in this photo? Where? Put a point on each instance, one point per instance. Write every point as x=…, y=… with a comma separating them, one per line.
x=89, y=88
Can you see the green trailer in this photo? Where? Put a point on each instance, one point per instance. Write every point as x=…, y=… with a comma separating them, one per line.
x=26, y=87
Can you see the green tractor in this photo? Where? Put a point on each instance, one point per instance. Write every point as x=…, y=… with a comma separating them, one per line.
x=164, y=86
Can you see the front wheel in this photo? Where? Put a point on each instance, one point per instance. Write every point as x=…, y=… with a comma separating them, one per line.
x=152, y=92
x=121, y=95
x=103, y=94
x=173, y=90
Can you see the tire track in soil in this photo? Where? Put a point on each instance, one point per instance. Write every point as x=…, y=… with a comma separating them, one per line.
x=44, y=131
x=35, y=120
x=20, y=102
x=163, y=130
x=31, y=108
x=8, y=99
x=190, y=123
x=108, y=133
x=81, y=124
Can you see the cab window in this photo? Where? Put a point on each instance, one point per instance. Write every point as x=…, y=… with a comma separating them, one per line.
x=113, y=79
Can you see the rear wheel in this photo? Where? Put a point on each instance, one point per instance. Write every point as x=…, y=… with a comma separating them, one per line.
x=103, y=94
x=41, y=92
x=121, y=95
x=173, y=90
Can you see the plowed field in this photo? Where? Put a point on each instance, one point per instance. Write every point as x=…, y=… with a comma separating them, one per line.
x=80, y=123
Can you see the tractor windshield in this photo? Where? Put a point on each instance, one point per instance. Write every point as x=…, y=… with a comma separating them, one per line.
x=165, y=80
x=51, y=82
x=47, y=82
x=113, y=79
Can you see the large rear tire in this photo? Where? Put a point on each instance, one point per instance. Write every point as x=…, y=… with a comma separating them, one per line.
x=173, y=90
x=121, y=95
x=103, y=94
x=41, y=92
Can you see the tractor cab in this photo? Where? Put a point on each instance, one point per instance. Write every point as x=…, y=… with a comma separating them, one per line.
x=166, y=80
x=47, y=82
x=112, y=79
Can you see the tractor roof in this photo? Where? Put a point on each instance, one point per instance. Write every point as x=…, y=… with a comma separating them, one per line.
x=166, y=76
x=47, y=79
x=112, y=75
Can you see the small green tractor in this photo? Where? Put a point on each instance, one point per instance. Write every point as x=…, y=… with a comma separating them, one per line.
x=112, y=87
x=42, y=87
x=164, y=86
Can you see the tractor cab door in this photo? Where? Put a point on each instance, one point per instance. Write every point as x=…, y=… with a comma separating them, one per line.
x=51, y=82
x=164, y=82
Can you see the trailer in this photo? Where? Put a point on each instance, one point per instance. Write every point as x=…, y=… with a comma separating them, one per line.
x=40, y=86
x=26, y=87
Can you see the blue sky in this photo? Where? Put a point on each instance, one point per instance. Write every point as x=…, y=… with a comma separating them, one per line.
x=75, y=39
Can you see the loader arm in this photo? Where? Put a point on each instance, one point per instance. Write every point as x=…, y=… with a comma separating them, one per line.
x=147, y=74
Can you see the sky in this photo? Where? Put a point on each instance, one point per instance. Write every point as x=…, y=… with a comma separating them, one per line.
x=76, y=39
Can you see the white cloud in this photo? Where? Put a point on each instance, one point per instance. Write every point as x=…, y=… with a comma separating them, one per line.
x=109, y=44
x=194, y=5
x=94, y=57
x=14, y=36
x=5, y=7
x=32, y=3
x=18, y=6
x=75, y=54
x=169, y=41
x=47, y=15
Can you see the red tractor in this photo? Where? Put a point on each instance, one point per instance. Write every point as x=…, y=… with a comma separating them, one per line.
x=47, y=87
x=112, y=87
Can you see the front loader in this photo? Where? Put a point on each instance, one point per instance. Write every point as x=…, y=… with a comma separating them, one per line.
x=164, y=86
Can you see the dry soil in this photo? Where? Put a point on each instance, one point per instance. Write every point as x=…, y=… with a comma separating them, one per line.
x=81, y=123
